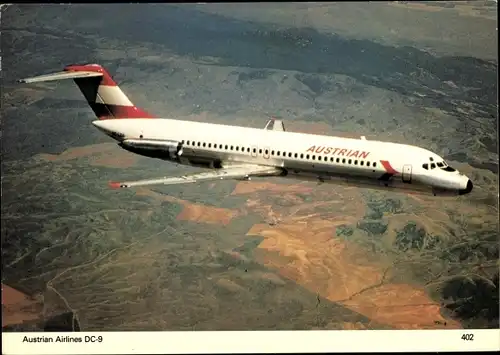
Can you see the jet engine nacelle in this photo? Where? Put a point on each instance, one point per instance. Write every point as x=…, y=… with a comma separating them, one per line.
x=156, y=148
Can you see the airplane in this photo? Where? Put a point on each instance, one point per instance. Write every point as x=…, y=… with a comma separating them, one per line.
x=242, y=153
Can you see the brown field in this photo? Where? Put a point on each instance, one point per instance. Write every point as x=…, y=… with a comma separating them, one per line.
x=104, y=154
x=78, y=152
x=193, y=211
x=344, y=273
x=248, y=187
x=114, y=160
x=18, y=307
x=402, y=306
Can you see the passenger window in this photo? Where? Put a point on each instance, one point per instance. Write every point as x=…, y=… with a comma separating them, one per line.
x=267, y=152
x=307, y=156
x=362, y=162
x=331, y=159
x=210, y=145
x=204, y=144
x=199, y=144
x=278, y=153
x=225, y=147
x=254, y=150
x=367, y=163
x=325, y=158
x=338, y=160
x=374, y=164
x=260, y=151
x=295, y=155
x=343, y=161
x=425, y=166
x=314, y=157
x=355, y=162
x=349, y=161
x=187, y=143
x=289, y=155
x=433, y=166
x=231, y=147
x=302, y=156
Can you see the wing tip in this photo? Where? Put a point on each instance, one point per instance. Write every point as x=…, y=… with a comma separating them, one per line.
x=115, y=185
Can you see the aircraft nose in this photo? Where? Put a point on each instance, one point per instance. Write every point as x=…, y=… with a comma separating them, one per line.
x=468, y=188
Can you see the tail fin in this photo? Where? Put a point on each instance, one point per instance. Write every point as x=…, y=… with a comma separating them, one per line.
x=103, y=95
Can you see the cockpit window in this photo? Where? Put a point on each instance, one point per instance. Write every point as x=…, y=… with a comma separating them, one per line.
x=440, y=164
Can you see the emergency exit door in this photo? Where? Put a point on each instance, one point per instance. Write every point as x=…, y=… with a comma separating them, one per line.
x=407, y=173
x=254, y=151
x=266, y=152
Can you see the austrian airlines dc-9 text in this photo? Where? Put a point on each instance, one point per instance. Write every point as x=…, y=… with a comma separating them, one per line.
x=241, y=153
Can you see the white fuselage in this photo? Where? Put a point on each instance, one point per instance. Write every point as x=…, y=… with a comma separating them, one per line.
x=322, y=158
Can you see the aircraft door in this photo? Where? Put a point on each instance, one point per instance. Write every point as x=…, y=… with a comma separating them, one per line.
x=407, y=173
x=254, y=151
x=266, y=152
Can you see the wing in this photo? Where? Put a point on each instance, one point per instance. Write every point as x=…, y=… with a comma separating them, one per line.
x=236, y=172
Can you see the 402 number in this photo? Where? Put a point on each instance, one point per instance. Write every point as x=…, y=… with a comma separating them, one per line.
x=468, y=337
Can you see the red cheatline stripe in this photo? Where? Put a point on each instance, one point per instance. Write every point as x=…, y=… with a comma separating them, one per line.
x=387, y=166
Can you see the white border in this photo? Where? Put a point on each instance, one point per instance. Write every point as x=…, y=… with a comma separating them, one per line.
x=255, y=342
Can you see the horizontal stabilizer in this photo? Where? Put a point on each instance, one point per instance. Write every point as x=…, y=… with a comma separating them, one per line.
x=275, y=125
x=61, y=76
